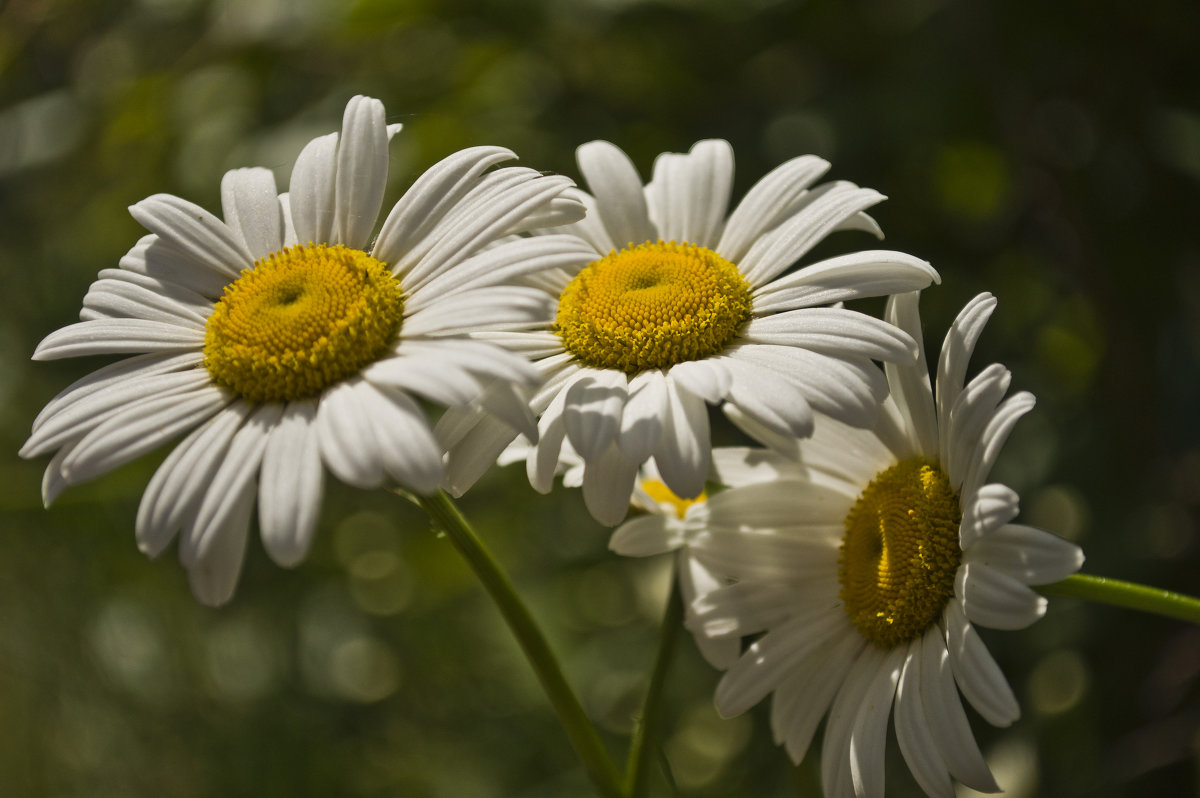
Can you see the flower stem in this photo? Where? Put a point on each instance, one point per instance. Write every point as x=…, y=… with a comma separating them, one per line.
x=648, y=728
x=582, y=734
x=1127, y=594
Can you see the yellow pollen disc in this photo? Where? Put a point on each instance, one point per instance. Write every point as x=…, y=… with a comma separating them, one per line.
x=300, y=320
x=663, y=495
x=651, y=306
x=900, y=553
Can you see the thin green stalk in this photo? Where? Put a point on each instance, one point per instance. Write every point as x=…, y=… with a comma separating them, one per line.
x=582, y=734
x=648, y=729
x=1127, y=594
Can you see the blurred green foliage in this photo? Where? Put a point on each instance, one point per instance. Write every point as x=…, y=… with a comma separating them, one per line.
x=1047, y=152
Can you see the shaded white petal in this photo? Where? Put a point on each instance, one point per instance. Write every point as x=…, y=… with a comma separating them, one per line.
x=647, y=536
x=541, y=464
x=913, y=729
x=854, y=276
x=590, y=228
x=836, y=778
x=346, y=434
x=171, y=499
x=450, y=372
x=607, y=486
x=833, y=331
x=991, y=507
x=684, y=452
x=1031, y=555
x=769, y=398
x=498, y=307
x=771, y=254
x=805, y=695
x=428, y=200
x=642, y=416
x=993, y=438
x=747, y=608
x=311, y=190
x=770, y=658
x=292, y=483
x=742, y=465
x=869, y=733
x=475, y=453
x=956, y=352
x=592, y=413
x=121, y=294
x=943, y=712
x=54, y=482
x=168, y=264
x=118, y=336
x=972, y=410
x=290, y=239
x=128, y=435
x=407, y=448
x=695, y=581
x=909, y=382
x=511, y=405
x=361, y=172
x=689, y=195
x=768, y=203
x=620, y=202
x=708, y=379
x=996, y=600
x=563, y=210
x=250, y=204
x=222, y=504
x=195, y=231
x=849, y=389
x=214, y=577
x=977, y=674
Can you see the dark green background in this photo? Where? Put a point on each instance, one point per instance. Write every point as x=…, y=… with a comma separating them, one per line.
x=1048, y=152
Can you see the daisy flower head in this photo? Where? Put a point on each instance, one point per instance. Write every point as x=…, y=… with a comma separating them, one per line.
x=680, y=304
x=865, y=559
x=283, y=340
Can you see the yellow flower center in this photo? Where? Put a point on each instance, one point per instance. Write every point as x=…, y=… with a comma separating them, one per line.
x=651, y=306
x=900, y=553
x=659, y=492
x=300, y=320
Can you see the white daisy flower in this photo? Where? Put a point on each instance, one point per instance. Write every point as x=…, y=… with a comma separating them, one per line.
x=865, y=559
x=679, y=305
x=287, y=342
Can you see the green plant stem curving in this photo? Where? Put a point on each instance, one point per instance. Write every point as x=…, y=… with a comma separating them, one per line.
x=1127, y=594
x=587, y=744
x=648, y=730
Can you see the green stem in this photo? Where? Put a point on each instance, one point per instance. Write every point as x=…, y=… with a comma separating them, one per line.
x=648, y=729
x=582, y=734
x=1127, y=594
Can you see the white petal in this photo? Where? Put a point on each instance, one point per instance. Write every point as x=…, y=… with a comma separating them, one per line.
x=993, y=437
x=54, y=482
x=836, y=778
x=993, y=599
x=434, y=193
x=250, y=204
x=348, y=445
x=792, y=239
x=913, y=730
x=684, y=451
x=846, y=388
x=592, y=414
x=507, y=307
x=195, y=231
x=690, y=193
x=311, y=191
x=511, y=405
x=607, y=486
x=162, y=261
x=1031, y=555
x=956, y=352
x=707, y=379
x=991, y=507
x=620, y=202
x=361, y=173
x=642, y=416
x=121, y=294
x=214, y=577
x=768, y=203
x=742, y=465
x=971, y=411
x=220, y=510
x=909, y=382
x=977, y=674
x=590, y=228
x=769, y=398
x=541, y=464
x=833, y=331
x=292, y=483
x=647, y=536
x=128, y=435
x=869, y=733
x=118, y=336
x=804, y=697
x=747, y=608
x=171, y=499
x=840, y=279
x=407, y=449
x=475, y=453
x=695, y=581
x=947, y=722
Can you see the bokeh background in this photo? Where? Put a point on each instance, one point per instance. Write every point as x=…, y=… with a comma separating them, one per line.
x=1047, y=152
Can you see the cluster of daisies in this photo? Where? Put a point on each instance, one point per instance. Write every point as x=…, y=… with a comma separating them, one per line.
x=840, y=566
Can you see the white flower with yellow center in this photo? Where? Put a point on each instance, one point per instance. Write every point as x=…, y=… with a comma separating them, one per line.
x=865, y=558
x=679, y=305
x=288, y=342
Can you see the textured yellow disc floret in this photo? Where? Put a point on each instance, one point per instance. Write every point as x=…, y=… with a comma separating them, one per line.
x=900, y=553
x=300, y=320
x=663, y=495
x=651, y=306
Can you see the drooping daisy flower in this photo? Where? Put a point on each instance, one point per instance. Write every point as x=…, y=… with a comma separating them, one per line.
x=287, y=342
x=679, y=305
x=866, y=558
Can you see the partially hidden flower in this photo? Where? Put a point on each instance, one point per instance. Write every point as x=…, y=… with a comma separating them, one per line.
x=862, y=560
x=284, y=340
x=681, y=304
